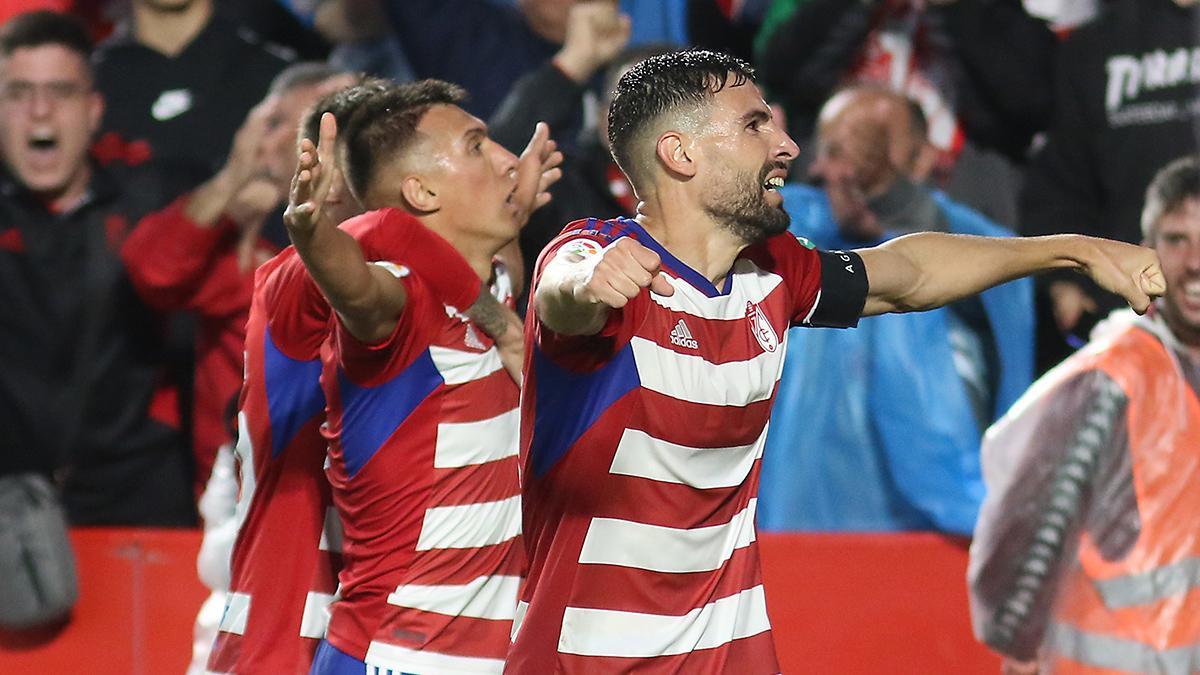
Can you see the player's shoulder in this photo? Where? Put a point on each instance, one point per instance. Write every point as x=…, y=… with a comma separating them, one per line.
x=779, y=251
x=375, y=224
x=596, y=229
x=588, y=236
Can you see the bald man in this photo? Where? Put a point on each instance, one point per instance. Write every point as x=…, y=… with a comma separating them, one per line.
x=910, y=420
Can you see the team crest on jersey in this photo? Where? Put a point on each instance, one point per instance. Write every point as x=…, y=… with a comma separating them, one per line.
x=760, y=326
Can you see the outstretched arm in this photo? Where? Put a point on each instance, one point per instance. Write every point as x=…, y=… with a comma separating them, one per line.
x=368, y=298
x=929, y=269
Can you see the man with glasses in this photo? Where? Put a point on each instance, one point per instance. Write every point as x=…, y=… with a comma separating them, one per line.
x=82, y=392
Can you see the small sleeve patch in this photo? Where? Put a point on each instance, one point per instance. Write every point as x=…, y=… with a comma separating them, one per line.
x=398, y=271
x=577, y=250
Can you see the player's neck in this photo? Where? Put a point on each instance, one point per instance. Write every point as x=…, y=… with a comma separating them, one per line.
x=683, y=227
x=476, y=251
x=169, y=32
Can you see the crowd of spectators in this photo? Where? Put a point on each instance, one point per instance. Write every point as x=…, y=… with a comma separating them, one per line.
x=143, y=181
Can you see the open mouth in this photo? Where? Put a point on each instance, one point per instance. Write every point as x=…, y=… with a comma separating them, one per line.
x=43, y=140
x=1191, y=291
x=774, y=175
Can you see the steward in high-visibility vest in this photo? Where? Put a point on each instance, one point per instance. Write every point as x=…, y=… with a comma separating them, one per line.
x=1087, y=552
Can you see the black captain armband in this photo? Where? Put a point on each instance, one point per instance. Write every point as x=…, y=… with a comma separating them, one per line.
x=843, y=293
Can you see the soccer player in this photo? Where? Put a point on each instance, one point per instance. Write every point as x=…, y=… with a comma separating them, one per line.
x=422, y=418
x=287, y=555
x=654, y=346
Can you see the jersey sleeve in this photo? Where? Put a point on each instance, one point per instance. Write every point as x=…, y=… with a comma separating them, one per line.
x=828, y=288
x=584, y=353
x=297, y=314
x=400, y=238
x=422, y=316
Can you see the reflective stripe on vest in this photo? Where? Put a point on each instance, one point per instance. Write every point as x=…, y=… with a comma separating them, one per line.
x=1104, y=651
x=1172, y=580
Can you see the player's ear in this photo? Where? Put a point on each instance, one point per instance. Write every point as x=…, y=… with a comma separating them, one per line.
x=674, y=151
x=419, y=194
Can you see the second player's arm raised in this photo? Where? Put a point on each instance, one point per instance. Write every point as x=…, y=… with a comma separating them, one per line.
x=922, y=271
x=368, y=298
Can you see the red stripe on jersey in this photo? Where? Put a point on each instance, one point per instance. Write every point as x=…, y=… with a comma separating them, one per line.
x=450, y=635
x=226, y=650
x=754, y=655
x=667, y=593
x=490, y=482
x=660, y=415
x=480, y=399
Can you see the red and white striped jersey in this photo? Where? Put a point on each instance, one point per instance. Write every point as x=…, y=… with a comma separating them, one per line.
x=641, y=449
x=288, y=551
x=283, y=571
x=423, y=461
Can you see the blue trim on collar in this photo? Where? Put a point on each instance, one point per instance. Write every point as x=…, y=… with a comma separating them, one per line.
x=697, y=280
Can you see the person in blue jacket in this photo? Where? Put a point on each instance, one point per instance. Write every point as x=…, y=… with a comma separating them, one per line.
x=878, y=428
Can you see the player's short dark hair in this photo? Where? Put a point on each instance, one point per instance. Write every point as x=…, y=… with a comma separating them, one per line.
x=35, y=29
x=630, y=56
x=1173, y=185
x=385, y=125
x=342, y=103
x=664, y=84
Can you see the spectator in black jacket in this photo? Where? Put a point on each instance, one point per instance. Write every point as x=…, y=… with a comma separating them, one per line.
x=1125, y=104
x=82, y=390
x=179, y=79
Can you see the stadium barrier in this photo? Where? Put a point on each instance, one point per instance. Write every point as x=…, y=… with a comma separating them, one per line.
x=841, y=604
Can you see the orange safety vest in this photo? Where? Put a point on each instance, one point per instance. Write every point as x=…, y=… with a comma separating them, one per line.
x=1140, y=614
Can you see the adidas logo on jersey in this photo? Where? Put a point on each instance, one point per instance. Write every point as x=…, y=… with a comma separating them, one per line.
x=682, y=337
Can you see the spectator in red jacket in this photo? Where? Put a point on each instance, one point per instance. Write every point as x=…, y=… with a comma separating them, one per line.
x=200, y=253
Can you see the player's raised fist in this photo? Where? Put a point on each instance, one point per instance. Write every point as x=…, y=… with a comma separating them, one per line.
x=622, y=269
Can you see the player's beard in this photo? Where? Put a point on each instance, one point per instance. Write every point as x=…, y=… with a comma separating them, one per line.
x=741, y=206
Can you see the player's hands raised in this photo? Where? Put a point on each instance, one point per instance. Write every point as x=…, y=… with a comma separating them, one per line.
x=621, y=270
x=1130, y=271
x=537, y=169
x=316, y=170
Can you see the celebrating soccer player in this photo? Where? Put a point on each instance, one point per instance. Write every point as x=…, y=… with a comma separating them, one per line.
x=655, y=348
x=422, y=416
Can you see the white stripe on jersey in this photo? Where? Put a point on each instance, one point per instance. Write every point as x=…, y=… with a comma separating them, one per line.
x=493, y=597
x=315, y=619
x=237, y=608
x=610, y=541
x=642, y=455
x=603, y=632
x=691, y=378
x=519, y=618
x=244, y=451
x=399, y=659
x=750, y=284
x=470, y=525
x=459, y=367
x=470, y=443
x=331, y=533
